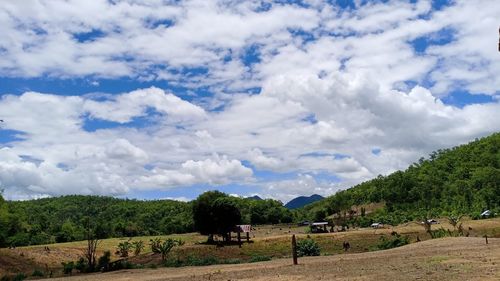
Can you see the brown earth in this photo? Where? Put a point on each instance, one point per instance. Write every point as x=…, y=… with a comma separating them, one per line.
x=439, y=259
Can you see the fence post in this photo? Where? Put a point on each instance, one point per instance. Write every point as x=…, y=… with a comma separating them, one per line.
x=294, y=250
x=486, y=236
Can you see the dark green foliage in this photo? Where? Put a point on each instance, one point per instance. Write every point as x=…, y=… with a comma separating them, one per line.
x=64, y=219
x=81, y=265
x=396, y=240
x=308, y=247
x=215, y=212
x=19, y=277
x=225, y=214
x=461, y=180
x=37, y=273
x=203, y=217
x=204, y=261
x=103, y=261
x=68, y=267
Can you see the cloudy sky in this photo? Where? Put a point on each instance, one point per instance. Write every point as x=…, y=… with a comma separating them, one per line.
x=167, y=99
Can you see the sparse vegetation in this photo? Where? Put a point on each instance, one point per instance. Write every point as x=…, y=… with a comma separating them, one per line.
x=164, y=247
x=395, y=240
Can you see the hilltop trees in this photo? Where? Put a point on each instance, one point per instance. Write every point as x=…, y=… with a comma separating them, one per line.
x=460, y=180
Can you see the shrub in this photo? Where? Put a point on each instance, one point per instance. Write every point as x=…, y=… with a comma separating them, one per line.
x=5, y=278
x=138, y=247
x=68, y=267
x=37, y=273
x=19, y=277
x=81, y=265
x=395, y=241
x=308, y=247
x=123, y=249
x=104, y=260
x=164, y=247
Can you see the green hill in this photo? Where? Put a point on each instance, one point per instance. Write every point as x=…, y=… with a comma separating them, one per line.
x=461, y=180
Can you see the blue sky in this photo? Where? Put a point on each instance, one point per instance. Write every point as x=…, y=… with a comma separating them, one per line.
x=149, y=100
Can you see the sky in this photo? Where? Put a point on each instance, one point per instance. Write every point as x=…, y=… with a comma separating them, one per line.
x=158, y=99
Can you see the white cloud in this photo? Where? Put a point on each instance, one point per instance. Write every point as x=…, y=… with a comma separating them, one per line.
x=333, y=83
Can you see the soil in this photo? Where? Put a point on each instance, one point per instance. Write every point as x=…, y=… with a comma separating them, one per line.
x=439, y=259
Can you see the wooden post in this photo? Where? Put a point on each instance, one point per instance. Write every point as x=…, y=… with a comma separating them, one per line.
x=486, y=236
x=248, y=237
x=294, y=250
x=239, y=238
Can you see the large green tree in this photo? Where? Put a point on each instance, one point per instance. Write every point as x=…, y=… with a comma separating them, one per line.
x=215, y=212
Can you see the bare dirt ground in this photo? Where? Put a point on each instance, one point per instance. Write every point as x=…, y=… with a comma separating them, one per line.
x=440, y=259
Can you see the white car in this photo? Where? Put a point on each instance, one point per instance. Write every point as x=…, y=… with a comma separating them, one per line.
x=431, y=221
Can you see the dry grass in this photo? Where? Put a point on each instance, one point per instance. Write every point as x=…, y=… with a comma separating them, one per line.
x=439, y=259
x=271, y=241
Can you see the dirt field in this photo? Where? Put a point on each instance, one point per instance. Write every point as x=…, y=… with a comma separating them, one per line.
x=440, y=259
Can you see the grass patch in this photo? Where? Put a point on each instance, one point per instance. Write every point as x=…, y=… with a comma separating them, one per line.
x=259, y=258
x=437, y=259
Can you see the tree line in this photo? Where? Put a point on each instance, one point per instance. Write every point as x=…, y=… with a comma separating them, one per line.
x=65, y=218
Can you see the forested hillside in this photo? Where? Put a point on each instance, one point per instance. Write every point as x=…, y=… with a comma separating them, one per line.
x=460, y=180
x=63, y=219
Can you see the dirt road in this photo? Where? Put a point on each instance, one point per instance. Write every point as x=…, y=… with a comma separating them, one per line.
x=440, y=259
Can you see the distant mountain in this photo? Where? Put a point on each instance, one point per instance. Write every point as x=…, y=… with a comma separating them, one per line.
x=255, y=197
x=301, y=201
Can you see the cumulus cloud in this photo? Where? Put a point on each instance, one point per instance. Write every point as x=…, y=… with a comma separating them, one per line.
x=333, y=85
x=198, y=43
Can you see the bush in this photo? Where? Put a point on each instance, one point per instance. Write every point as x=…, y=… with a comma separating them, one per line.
x=68, y=267
x=81, y=265
x=19, y=277
x=37, y=273
x=104, y=260
x=123, y=249
x=308, y=247
x=5, y=278
x=395, y=241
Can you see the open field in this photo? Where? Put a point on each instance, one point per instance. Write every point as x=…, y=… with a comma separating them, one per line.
x=267, y=241
x=439, y=259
